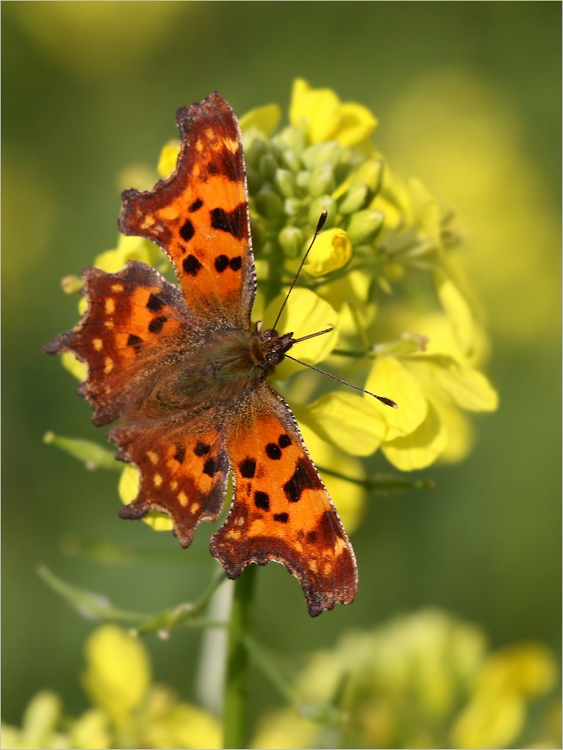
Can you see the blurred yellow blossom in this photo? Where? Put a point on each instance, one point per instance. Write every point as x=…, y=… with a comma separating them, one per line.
x=127, y=712
x=422, y=680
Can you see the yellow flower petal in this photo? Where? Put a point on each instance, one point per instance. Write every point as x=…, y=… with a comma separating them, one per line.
x=356, y=124
x=489, y=723
x=304, y=313
x=468, y=387
x=348, y=497
x=118, y=672
x=349, y=422
x=74, y=366
x=168, y=158
x=421, y=447
x=458, y=312
x=318, y=110
x=285, y=728
x=184, y=725
x=331, y=251
x=128, y=489
x=390, y=378
x=265, y=119
x=128, y=248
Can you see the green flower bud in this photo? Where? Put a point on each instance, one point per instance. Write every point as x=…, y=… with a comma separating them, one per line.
x=371, y=173
x=364, y=225
x=321, y=154
x=253, y=179
x=292, y=139
x=302, y=179
x=291, y=240
x=259, y=234
x=254, y=152
x=323, y=203
x=354, y=199
x=321, y=181
x=267, y=168
x=291, y=161
x=284, y=181
x=268, y=203
x=292, y=206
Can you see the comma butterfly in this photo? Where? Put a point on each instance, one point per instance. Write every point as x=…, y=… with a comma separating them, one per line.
x=187, y=372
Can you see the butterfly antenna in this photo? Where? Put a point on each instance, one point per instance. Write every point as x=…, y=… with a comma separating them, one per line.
x=383, y=399
x=320, y=225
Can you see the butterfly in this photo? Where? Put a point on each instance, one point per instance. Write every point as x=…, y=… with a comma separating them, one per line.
x=187, y=373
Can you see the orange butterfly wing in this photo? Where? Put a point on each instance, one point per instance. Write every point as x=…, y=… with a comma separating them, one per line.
x=281, y=509
x=199, y=215
x=185, y=370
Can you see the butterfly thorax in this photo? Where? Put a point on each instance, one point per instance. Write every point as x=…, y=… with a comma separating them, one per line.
x=219, y=371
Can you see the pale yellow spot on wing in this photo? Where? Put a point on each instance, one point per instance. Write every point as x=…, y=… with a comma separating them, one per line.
x=199, y=145
x=117, y=287
x=240, y=521
x=196, y=171
x=231, y=145
x=173, y=485
x=236, y=535
x=195, y=507
x=153, y=458
x=169, y=213
x=108, y=365
x=108, y=323
x=98, y=344
x=148, y=221
x=183, y=498
x=110, y=305
x=339, y=545
x=157, y=480
x=313, y=565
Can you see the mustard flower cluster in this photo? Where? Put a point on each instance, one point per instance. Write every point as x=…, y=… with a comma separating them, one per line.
x=423, y=680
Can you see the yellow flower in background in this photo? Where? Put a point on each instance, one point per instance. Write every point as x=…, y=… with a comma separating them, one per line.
x=422, y=680
x=128, y=712
x=117, y=673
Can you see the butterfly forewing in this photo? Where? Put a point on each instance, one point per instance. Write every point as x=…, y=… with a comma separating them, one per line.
x=199, y=215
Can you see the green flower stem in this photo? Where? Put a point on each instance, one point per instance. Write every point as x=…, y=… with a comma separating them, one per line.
x=235, y=719
x=383, y=483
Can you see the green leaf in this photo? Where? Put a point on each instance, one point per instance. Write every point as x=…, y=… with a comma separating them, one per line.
x=91, y=454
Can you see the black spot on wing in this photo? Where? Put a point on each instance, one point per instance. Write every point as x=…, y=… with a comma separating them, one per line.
x=134, y=341
x=191, y=265
x=155, y=326
x=261, y=500
x=196, y=205
x=235, y=263
x=209, y=467
x=221, y=263
x=284, y=441
x=281, y=517
x=233, y=222
x=202, y=449
x=304, y=478
x=179, y=455
x=273, y=452
x=247, y=468
x=187, y=230
x=154, y=303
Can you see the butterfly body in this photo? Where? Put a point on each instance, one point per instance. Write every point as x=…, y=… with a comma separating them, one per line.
x=187, y=373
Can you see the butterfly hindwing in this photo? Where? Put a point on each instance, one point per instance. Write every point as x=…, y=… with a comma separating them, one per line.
x=134, y=319
x=281, y=510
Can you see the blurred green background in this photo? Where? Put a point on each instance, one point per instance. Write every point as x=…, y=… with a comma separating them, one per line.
x=469, y=100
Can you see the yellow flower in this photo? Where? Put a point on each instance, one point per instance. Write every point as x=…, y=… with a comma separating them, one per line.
x=326, y=118
x=117, y=674
x=331, y=251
